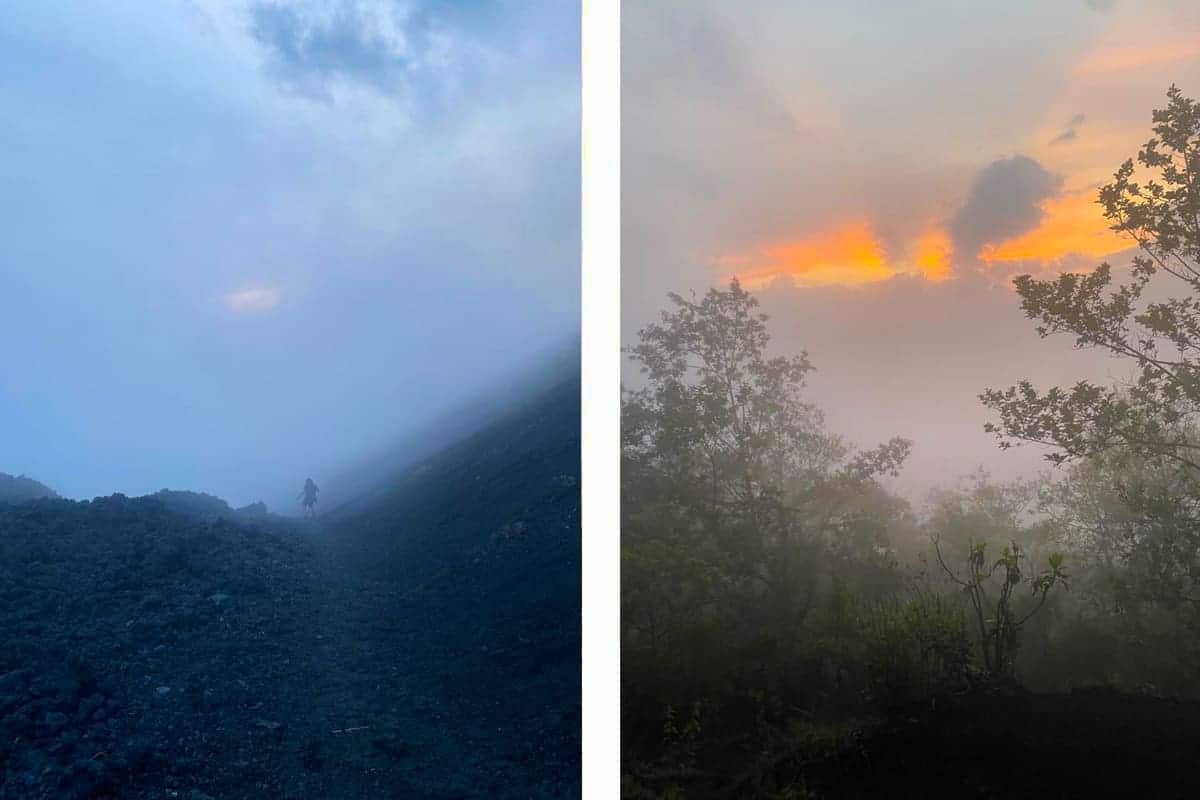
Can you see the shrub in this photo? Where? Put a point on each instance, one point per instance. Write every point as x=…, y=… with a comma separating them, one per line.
x=914, y=649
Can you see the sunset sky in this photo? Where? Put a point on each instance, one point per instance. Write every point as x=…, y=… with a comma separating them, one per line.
x=878, y=173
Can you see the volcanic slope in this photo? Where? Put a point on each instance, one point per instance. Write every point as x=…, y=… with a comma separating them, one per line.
x=422, y=641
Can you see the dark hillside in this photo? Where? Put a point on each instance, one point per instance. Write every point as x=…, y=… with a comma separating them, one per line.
x=139, y=646
x=508, y=475
x=378, y=470
x=20, y=488
x=480, y=546
x=422, y=643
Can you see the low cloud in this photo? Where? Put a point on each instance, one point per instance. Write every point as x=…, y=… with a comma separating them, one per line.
x=252, y=300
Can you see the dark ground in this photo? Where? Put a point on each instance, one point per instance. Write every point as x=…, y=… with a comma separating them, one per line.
x=988, y=745
x=423, y=643
x=1079, y=745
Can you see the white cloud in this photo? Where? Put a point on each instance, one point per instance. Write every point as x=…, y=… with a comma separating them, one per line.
x=252, y=300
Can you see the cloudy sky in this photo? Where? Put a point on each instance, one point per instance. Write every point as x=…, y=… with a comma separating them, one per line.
x=878, y=172
x=242, y=241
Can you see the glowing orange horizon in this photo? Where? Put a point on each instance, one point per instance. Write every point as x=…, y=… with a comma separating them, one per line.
x=850, y=254
x=933, y=253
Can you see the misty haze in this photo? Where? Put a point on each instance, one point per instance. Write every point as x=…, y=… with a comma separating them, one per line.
x=289, y=400
x=909, y=447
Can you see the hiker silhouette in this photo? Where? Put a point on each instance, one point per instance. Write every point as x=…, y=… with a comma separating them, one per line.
x=308, y=495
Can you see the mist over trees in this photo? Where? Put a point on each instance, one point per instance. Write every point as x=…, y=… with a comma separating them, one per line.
x=781, y=607
x=19, y=488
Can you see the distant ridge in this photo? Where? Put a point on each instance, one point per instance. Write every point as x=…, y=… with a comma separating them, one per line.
x=359, y=480
x=21, y=488
x=207, y=507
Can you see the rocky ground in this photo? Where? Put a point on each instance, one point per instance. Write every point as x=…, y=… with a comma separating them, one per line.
x=422, y=644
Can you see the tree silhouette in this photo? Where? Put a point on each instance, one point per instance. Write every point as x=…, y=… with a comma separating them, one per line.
x=1151, y=413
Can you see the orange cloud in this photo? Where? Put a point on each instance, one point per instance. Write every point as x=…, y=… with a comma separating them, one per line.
x=852, y=254
x=932, y=255
x=1125, y=58
x=849, y=255
x=1073, y=225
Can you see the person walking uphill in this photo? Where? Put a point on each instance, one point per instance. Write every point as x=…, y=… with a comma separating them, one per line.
x=308, y=496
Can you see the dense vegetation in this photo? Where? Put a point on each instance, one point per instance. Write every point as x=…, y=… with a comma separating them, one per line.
x=793, y=629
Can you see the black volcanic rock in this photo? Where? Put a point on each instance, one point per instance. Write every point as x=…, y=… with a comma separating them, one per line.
x=424, y=644
x=252, y=512
x=210, y=508
x=102, y=606
x=483, y=543
x=197, y=505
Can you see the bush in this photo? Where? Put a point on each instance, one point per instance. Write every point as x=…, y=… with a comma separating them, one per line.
x=914, y=649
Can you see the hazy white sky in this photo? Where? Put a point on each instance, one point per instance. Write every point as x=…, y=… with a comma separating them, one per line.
x=878, y=172
x=241, y=240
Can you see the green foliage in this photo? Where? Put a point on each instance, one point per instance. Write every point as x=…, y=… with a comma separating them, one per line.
x=680, y=736
x=721, y=423
x=1129, y=509
x=777, y=600
x=1158, y=338
x=915, y=649
x=1131, y=525
x=990, y=588
x=739, y=510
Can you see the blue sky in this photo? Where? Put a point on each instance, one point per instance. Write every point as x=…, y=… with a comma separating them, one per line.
x=242, y=242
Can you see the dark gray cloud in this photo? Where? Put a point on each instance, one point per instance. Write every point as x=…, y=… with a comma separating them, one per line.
x=437, y=62
x=1071, y=132
x=1003, y=202
x=419, y=51
x=308, y=53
